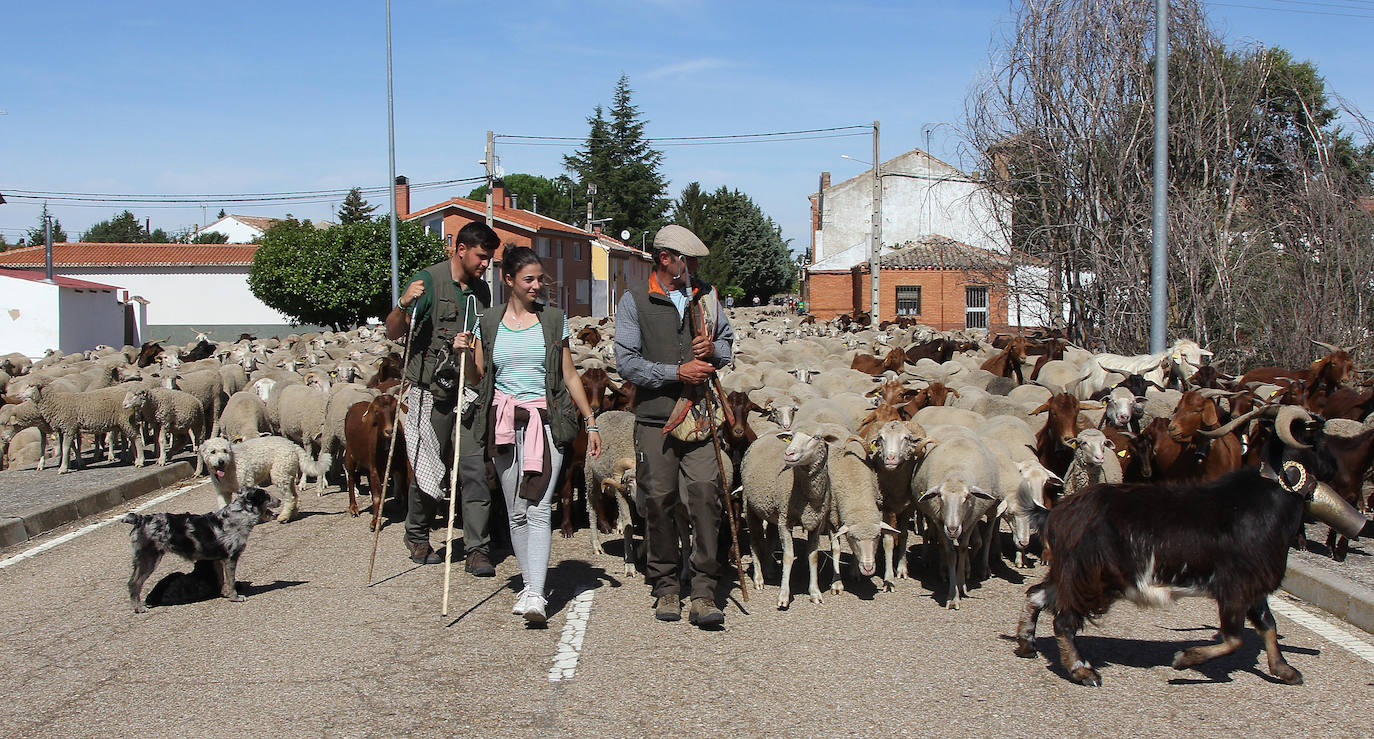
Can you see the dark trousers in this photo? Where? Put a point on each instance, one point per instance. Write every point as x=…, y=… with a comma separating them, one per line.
x=672, y=472
x=476, y=495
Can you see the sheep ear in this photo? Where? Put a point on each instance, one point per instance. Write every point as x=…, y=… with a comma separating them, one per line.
x=843, y=530
x=1002, y=508
x=1109, y=444
x=931, y=493
x=1091, y=406
x=980, y=493
x=885, y=527
x=785, y=436
x=1071, y=443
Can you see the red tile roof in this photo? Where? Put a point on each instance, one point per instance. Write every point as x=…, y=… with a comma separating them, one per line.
x=519, y=218
x=32, y=276
x=133, y=255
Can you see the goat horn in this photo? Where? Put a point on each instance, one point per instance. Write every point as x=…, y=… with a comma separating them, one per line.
x=1284, y=422
x=1329, y=347
x=1230, y=426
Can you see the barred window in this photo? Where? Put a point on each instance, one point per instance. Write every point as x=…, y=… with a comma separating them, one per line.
x=908, y=300
x=976, y=306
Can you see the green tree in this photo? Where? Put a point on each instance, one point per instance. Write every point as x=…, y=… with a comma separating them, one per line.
x=35, y=235
x=339, y=276
x=355, y=209
x=210, y=237
x=124, y=228
x=625, y=169
x=747, y=248
x=548, y=197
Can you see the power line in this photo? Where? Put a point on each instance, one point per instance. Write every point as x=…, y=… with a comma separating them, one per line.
x=74, y=199
x=1292, y=10
x=565, y=143
x=721, y=138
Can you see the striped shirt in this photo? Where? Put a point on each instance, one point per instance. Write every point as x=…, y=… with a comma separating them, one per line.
x=519, y=359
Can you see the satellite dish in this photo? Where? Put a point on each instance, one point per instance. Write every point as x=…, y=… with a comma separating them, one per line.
x=625, y=235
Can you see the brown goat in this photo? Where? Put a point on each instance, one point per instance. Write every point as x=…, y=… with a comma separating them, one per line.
x=1327, y=373
x=367, y=442
x=870, y=364
x=1063, y=424
x=1008, y=361
x=588, y=335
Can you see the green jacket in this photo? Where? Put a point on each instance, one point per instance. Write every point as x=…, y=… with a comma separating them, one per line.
x=563, y=419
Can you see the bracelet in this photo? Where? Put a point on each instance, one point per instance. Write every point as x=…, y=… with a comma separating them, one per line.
x=593, y=428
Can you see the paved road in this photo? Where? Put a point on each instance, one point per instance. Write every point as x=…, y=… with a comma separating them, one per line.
x=314, y=652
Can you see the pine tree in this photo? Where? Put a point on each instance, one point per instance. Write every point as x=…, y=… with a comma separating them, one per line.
x=35, y=234
x=618, y=159
x=355, y=209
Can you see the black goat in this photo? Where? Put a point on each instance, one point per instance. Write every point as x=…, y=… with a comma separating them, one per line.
x=1227, y=539
x=202, y=350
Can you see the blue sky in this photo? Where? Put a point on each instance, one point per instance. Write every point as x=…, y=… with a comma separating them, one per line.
x=252, y=97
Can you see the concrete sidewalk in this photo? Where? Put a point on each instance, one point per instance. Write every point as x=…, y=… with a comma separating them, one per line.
x=1338, y=595
x=33, y=502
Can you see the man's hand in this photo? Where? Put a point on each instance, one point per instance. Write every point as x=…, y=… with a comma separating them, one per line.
x=703, y=347
x=412, y=293
x=695, y=372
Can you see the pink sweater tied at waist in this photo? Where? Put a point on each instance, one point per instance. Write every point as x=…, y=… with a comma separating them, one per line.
x=505, y=405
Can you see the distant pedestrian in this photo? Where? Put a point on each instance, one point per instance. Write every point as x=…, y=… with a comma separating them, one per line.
x=730, y=302
x=756, y=301
x=524, y=413
x=659, y=349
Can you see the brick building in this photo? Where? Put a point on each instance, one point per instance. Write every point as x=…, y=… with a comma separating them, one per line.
x=943, y=283
x=566, y=250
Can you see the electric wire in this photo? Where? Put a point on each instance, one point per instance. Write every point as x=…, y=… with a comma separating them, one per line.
x=1300, y=11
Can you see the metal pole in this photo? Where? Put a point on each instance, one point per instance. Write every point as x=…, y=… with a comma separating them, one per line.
x=875, y=244
x=1159, y=288
x=47, y=241
x=490, y=161
x=391, y=153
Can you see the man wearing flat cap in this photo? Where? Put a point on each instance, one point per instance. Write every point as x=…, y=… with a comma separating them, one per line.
x=671, y=335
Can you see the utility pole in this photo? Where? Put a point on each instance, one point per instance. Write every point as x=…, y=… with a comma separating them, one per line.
x=591, y=195
x=391, y=155
x=875, y=243
x=47, y=241
x=490, y=161
x=1159, y=263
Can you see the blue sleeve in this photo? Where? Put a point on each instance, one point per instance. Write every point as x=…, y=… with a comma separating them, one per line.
x=724, y=339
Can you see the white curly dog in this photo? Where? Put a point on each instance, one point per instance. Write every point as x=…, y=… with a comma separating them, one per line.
x=254, y=462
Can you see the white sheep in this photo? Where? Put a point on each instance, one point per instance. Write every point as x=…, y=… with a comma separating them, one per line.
x=170, y=413
x=1094, y=462
x=244, y=417
x=617, y=442
x=99, y=411
x=855, y=517
x=302, y=414
x=208, y=387
x=893, y=451
x=787, y=483
x=954, y=488
x=15, y=419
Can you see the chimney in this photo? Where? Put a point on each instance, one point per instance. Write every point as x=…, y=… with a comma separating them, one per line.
x=513, y=201
x=402, y=196
x=825, y=180
x=498, y=193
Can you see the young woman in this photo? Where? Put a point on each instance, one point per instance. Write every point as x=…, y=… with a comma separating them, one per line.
x=515, y=400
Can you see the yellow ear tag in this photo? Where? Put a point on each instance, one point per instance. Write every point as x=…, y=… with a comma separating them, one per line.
x=1121, y=452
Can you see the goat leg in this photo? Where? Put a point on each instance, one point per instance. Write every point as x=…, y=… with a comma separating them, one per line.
x=1066, y=626
x=1232, y=621
x=1036, y=598
x=1263, y=621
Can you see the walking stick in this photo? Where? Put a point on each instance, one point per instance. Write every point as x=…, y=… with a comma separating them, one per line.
x=453, y=472
x=711, y=401
x=377, y=503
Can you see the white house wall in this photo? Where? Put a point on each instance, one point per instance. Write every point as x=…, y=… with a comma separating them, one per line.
x=89, y=318
x=29, y=322
x=213, y=296
x=237, y=231
x=935, y=198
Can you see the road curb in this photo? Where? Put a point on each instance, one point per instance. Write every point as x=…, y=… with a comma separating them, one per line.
x=90, y=503
x=1338, y=595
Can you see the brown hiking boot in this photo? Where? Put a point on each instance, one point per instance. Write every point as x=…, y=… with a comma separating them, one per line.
x=704, y=613
x=479, y=564
x=422, y=553
x=668, y=608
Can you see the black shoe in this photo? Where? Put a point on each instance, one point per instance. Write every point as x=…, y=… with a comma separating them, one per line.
x=668, y=608
x=479, y=564
x=423, y=554
x=704, y=613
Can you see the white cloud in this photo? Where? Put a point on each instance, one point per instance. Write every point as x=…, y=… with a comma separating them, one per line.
x=683, y=69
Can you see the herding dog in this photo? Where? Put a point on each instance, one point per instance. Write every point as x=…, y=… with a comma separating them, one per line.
x=218, y=537
x=255, y=462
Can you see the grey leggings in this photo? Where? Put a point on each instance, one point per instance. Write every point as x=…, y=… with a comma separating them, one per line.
x=530, y=532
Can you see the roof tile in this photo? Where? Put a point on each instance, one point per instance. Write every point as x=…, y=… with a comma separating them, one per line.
x=133, y=255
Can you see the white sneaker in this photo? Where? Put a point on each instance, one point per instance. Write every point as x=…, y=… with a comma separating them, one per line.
x=534, y=609
x=520, y=604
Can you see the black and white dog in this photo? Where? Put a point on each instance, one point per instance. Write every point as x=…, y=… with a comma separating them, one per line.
x=218, y=537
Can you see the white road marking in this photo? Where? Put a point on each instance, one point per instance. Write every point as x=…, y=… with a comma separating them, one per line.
x=45, y=546
x=570, y=644
x=1340, y=635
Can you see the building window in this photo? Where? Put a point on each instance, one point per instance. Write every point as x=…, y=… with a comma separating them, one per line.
x=541, y=246
x=577, y=251
x=975, y=307
x=556, y=249
x=908, y=300
x=584, y=292
x=435, y=227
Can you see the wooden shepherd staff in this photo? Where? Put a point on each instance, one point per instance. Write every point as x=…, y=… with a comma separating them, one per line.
x=457, y=449
x=378, y=502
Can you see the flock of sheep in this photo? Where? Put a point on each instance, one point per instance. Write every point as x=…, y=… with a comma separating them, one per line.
x=827, y=435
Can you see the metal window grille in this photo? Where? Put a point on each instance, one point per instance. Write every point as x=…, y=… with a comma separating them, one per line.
x=975, y=307
x=908, y=300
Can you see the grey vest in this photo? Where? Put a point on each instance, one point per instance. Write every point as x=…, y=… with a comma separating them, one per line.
x=563, y=416
x=665, y=338
x=435, y=333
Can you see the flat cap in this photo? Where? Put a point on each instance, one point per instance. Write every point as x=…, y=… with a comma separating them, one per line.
x=681, y=240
